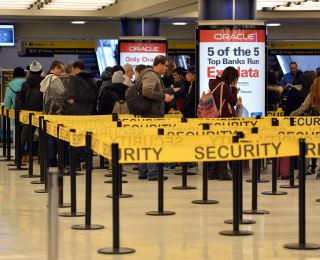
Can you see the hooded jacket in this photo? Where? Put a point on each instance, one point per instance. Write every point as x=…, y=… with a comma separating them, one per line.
x=13, y=87
x=229, y=95
x=153, y=89
x=31, y=96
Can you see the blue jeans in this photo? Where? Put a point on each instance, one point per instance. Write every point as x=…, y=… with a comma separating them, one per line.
x=149, y=169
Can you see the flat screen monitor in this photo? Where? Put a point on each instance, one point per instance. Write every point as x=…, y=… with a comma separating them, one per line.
x=6, y=35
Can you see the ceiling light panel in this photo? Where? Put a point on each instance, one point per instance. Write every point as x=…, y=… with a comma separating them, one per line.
x=17, y=4
x=74, y=4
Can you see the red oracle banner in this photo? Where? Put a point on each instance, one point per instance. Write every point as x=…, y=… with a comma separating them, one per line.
x=232, y=35
x=143, y=47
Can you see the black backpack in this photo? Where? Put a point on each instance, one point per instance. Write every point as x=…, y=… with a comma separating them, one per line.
x=137, y=103
x=18, y=99
x=106, y=100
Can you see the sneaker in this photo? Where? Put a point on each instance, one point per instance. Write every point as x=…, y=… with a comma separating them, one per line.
x=25, y=158
x=155, y=178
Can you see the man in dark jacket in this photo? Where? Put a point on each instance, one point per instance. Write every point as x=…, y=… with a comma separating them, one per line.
x=31, y=98
x=79, y=70
x=189, y=102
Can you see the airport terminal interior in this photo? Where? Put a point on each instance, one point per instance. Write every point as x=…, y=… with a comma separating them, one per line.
x=159, y=129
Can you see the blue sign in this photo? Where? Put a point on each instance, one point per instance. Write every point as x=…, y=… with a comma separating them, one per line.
x=6, y=35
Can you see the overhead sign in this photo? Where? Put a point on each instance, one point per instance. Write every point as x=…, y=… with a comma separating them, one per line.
x=138, y=52
x=294, y=48
x=242, y=47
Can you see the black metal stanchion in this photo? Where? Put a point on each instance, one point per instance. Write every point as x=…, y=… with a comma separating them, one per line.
x=302, y=245
x=236, y=209
x=121, y=195
x=241, y=219
x=4, y=132
x=274, y=181
x=254, y=210
x=291, y=176
x=8, y=137
x=41, y=152
x=115, y=249
x=30, y=151
x=205, y=188
x=160, y=211
x=60, y=149
x=184, y=179
x=17, y=137
x=185, y=171
x=44, y=169
x=259, y=174
x=73, y=185
x=89, y=155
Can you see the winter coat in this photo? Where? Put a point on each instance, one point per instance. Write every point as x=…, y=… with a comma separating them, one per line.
x=229, y=95
x=31, y=96
x=153, y=89
x=10, y=97
x=189, y=102
x=109, y=95
x=46, y=82
x=294, y=100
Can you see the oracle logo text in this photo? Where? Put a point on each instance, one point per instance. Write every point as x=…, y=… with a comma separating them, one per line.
x=144, y=49
x=236, y=36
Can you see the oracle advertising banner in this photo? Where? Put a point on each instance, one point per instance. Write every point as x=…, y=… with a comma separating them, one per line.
x=138, y=52
x=242, y=47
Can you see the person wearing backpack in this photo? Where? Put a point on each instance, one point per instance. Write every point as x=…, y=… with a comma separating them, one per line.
x=31, y=98
x=224, y=90
x=14, y=88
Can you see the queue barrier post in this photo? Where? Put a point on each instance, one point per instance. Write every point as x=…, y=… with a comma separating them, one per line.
x=254, y=208
x=205, y=199
x=160, y=211
x=121, y=195
x=41, y=152
x=44, y=169
x=73, y=184
x=60, y=149
x=291, y=184
x=302, y=245
x=241, y=219
x=88, y=193
x=17, y=138
x=274, y=181
x=184, y=175
x=115, y=249
x=30, y=150
x=4, y=133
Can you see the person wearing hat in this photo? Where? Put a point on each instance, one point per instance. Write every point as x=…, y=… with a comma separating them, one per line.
x=31, y=99
x=14, y=87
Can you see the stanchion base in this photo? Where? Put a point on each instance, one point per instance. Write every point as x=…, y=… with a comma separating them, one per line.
x=289, y=186
x=242, y=221
x=70, y=214
x=116, y=251
x=41, y=191
x=297, y=246
x=236, y=233
x=87, y=227
x=77, y=174
x=124, y=181
x=27, y=176
x=256, y=212
x=100, y=168
x=110, y=175
x=160, y=213
x=16, y=169
x=259, y=181
x=184, y=188
x=274, y=193
x=64, y=205
x=121, y=196
x=317, y=200
x=205, y=202
x=37, y=182
x=188, y=173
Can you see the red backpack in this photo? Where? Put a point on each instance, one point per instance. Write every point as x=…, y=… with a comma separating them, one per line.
x=207, y=107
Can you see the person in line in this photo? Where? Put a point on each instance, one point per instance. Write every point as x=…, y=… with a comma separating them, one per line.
x=153, y=88
x=138, y=70
x=189, y=109
x=55, y=71
x=32, y=100
x=14, y=87
x=228, y=85
x=180, y=82
x=168, y=77
x=128, y=74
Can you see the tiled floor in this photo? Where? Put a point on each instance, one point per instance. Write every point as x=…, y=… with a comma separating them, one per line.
x=193, y=233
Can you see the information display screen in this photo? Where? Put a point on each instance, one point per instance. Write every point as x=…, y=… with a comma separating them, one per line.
x=138, y=52
x=6, y=35
x=242, y=47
